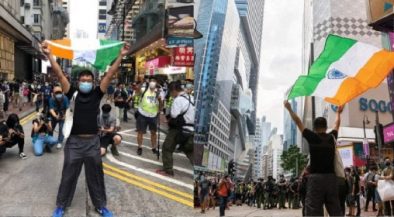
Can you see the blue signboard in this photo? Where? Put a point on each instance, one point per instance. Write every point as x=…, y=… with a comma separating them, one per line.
x=102, y=27
x=177, y=41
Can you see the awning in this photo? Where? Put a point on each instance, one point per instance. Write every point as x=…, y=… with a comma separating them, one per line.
x=351, y=134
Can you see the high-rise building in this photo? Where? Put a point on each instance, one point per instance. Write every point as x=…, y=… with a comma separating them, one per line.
x=218, y=21
x=103, y=18
x=36, y=15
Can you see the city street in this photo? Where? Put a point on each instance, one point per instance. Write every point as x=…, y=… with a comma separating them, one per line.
x=132, y=185
x=246, y=211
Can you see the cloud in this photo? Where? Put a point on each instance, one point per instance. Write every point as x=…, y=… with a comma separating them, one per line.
x=281, y=56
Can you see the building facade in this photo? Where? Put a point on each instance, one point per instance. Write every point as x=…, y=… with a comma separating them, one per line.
x=290, y=131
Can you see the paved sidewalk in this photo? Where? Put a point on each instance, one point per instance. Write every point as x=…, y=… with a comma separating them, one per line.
x=23, y=112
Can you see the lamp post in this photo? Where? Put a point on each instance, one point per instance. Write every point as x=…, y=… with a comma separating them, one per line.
x=365, y=141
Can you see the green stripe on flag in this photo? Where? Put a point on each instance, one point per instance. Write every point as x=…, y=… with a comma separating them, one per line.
x=334, y=49
x=105, y=56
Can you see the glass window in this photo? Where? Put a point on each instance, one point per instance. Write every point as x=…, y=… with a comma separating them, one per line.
x=22, y=2
x=103, y=3
x=102, y=11
x=36, y=18
x=102, y=16
x=36, y=2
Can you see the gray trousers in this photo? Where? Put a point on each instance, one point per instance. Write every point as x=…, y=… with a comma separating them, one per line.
x=322, y=189
x=80, y=151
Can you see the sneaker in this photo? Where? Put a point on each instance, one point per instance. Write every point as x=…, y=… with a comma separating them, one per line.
x=59, y=145
x=139, y=151
x=59, y=212
x=154, y=151
x=165, y=173
x=114, y=150
x=104, y=212
x=22, y=155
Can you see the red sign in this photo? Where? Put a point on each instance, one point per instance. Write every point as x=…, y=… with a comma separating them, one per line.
x=159, y=62
x=183, y=56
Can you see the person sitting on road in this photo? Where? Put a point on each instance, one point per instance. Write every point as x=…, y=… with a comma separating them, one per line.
x=107, y=124
x=41, y=138
x=11, y=133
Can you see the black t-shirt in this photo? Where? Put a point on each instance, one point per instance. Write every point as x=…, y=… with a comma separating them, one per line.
x=322, y=150
x=87, y=108
x=356, y=183
x=120, y=94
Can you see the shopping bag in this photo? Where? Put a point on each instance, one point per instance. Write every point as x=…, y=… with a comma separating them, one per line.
x=35, y=98
x=69, y=117
x=362, y=201
x=386, y=189
x=339, y=169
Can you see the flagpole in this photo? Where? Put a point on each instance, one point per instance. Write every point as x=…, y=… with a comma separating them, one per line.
x=312, y=58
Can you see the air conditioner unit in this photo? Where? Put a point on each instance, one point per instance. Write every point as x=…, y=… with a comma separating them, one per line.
x=381, y=14
x=27, y=5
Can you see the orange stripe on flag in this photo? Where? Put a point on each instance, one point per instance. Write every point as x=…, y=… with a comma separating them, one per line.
x=61, y=52
x=369, y=76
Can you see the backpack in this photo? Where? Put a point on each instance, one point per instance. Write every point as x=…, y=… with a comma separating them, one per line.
x=179, y=122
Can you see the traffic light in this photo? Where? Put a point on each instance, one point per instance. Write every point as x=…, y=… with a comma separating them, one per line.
x=231, y=168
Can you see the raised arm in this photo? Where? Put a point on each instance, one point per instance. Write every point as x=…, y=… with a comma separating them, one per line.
x=294, y=116
x=56, y=68
x=337, y=123
x=113, y=69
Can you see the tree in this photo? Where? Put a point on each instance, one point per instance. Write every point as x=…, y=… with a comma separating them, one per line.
x=291, y=158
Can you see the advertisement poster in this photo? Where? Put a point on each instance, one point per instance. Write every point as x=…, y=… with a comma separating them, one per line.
x=346, y=155
x=180, y=21
x=388, y=133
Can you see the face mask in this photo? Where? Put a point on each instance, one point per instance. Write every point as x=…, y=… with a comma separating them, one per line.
x=189, y=86
x=152, y=85
x=46, y=84
x=105, y=115
x=39, y=86
x=85, y=87
x=59, y=96
x=183, y=86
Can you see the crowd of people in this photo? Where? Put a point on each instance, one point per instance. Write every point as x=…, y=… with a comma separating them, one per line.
x=356, y=192
x=89, y=115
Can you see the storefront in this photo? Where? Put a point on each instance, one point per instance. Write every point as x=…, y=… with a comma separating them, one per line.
x=161, y=60
x=356, y=144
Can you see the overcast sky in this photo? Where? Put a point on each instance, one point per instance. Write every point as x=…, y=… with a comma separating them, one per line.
x=280, y=56
x=84, y=15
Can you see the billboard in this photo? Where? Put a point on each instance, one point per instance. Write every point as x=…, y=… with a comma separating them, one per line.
x=180, y=22
x=183, y=56
x=388, y=133
x=379, y=9
x=102, y=27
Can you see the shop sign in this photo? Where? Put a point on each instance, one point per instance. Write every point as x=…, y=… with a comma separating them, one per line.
x=174, y=70
x=378, y=9
x=102, y=28
x=388, y=133
x=374, y=105
x=158, y=62
x=346, y=154
x=178, y=41
x=180, y=21
x=183, y=56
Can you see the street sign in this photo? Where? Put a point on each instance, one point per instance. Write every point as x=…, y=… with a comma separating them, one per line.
x=102, y=27
x=179, y=42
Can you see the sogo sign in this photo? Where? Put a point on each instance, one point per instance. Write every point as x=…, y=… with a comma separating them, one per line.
x=374, y=105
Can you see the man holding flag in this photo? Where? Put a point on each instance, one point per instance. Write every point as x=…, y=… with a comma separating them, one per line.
x=83, y=145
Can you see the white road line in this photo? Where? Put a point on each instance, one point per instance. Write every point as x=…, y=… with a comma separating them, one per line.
x=155, y=162
x=144, y=171
x=135, y=136
x=124, y=131
x=147, y=147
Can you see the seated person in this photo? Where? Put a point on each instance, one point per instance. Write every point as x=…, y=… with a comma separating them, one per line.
x=40, y=135
x=107, y=124
x=11, y=133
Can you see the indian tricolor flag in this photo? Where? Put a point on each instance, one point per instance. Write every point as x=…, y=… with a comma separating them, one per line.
x=99, y=53
x=345, y=69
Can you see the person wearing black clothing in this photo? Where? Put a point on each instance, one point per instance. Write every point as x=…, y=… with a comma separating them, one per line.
x=371, y=188
x=15, y=135
x=83, y=144
x=356, y=190
x=120, y=97
x=322, y=189
x=259, y=191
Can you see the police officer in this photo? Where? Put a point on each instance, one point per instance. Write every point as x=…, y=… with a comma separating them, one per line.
x=181, y=123
x=268, y=190
x=282, y=184
x=260, y=193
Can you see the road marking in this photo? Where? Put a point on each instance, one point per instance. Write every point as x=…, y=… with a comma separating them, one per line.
x=27, y=118
x=124, y=131
x=138, y=178
x=156, y=162
x=153, y=174
x=151, y=189
x=147, y=147
x=135, y=136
